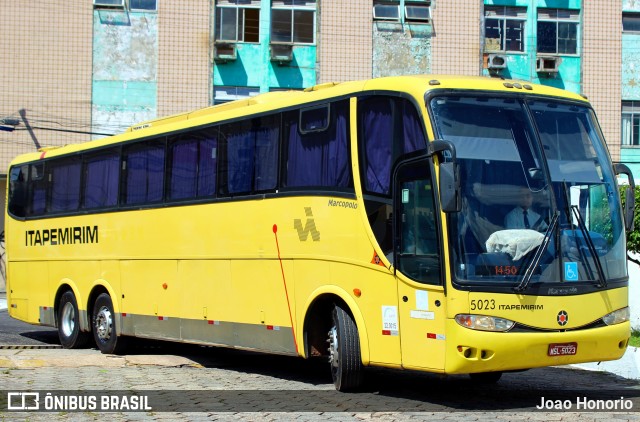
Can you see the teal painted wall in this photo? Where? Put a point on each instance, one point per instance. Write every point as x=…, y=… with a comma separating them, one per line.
x=523, y=65
x=253, y=66
x=125, y=62
x=630, y=155
x=630, y=66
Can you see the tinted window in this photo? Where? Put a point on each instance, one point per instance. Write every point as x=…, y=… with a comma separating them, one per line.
x=193, y=165
x=251, y=163
x=389, y=128
x=101, y=180
x=18, y=190
x=144, y=168
x=318, y=159
x=65, y=185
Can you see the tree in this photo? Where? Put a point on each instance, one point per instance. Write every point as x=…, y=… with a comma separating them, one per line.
x=633, y=237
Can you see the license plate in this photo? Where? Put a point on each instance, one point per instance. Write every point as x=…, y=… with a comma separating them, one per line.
x=562, y=349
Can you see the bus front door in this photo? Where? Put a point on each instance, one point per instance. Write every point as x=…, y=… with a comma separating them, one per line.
x=418, y=268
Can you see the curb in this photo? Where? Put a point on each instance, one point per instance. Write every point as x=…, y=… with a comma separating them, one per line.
x=628, y=366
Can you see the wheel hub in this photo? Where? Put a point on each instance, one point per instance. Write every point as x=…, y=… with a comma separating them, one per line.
x=334, y=354
x=104, y=323
x=67, y=319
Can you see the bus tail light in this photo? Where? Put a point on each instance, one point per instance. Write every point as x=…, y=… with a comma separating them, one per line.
x=484, y=322
x=617, y=317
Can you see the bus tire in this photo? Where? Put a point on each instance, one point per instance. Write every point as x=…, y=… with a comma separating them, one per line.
x=344, y=351
x=69, y=322
x=486, y=377
x=103, y=322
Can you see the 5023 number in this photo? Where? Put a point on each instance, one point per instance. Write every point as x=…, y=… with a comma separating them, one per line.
x=478, y=305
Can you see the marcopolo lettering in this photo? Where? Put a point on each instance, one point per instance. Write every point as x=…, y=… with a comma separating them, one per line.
x=62, y=236
x=343, y=204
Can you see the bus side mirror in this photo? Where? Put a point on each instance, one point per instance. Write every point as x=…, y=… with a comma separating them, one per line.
x=629, y=195
x=449, y=175
x=449, y=187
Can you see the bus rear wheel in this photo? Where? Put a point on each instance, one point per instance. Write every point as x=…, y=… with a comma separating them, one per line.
x=344, y=351
x=69, y=322
x=104, y=326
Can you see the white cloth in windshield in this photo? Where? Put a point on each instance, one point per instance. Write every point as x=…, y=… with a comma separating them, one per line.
x=516, y=243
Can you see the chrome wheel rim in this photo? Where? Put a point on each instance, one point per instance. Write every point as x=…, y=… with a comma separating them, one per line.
x=67, y=319
x=334, y=354
x=104, y=324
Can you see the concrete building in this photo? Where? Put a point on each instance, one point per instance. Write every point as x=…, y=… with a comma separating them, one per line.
x=95, y=68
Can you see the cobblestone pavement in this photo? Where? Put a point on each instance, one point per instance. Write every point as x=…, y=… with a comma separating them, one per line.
x=196, y=383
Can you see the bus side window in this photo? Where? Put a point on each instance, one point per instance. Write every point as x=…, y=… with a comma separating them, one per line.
x=192, y=165
x=388, y=127
x=38, y=181
x=18, y=190
x=101, y=180
x=144, y=177
x=317, y=156
x=65, y=185
x=251, y=155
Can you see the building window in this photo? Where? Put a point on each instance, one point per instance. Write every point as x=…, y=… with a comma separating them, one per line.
x=224, y=94
x=386, y=10
x=417, y=11
x=293, y=21
x=108, y=3
x=631, y=123
x=146, y=5
x=558, y=31
x=504, y=28
x=238, y=20
x=631, y=22
x=133, y=5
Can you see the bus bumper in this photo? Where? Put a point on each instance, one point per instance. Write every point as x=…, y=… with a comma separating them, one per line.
x=471, y=351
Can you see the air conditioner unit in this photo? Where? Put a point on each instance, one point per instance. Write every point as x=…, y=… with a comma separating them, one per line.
x=281, y=52
x=548, y=64
x=224, y=52
x=496, y=61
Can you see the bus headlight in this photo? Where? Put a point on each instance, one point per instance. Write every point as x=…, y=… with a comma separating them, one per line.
x=617, y=317
x=484, y=323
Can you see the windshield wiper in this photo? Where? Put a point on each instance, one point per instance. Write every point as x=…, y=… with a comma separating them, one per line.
x=592, y=249
x=528, y=273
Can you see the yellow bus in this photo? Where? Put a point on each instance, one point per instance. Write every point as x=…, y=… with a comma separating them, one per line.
x=457, y=225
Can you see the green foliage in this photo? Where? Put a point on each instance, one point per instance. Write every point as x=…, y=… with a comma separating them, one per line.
x=635, y=338
x=633, y=238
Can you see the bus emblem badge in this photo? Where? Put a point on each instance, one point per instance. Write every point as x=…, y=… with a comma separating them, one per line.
x=563, y=318
x=309, y=227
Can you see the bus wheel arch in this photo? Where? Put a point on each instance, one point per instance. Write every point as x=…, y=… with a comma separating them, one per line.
x=68, y=319
x=331, y=330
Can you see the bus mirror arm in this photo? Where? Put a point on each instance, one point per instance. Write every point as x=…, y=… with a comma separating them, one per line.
x=629, y=195
x=449, y=175
x=444, y=149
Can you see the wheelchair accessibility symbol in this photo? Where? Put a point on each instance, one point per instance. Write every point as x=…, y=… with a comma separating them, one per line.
x=571, y=271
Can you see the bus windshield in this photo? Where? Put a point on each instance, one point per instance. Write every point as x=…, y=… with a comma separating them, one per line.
x=539, y=202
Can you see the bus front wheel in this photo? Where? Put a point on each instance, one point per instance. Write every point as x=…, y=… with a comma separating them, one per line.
x=104, y=326
x=69, y=322
x=344, y=351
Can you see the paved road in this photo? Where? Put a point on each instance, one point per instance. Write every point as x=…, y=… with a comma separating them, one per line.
x=182, y=382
